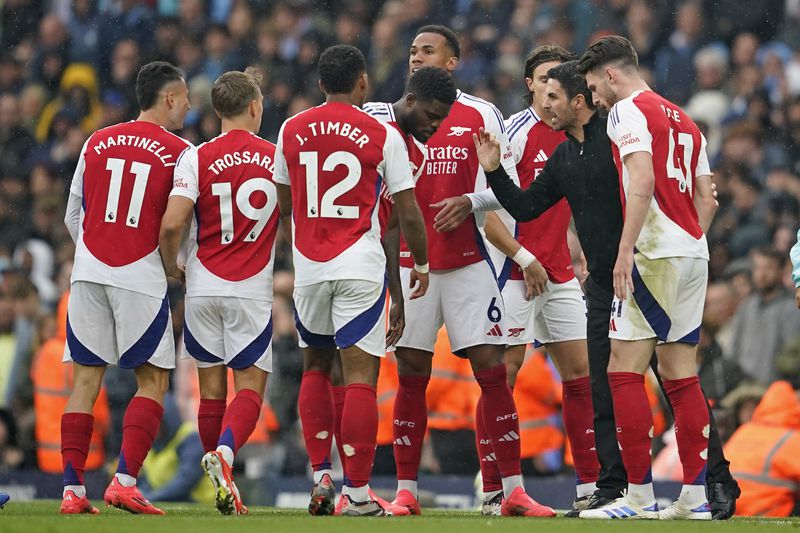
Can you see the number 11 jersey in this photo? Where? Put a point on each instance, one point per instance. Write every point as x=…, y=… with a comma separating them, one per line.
x=124, y=177
x=232, y=237
x=335, y=158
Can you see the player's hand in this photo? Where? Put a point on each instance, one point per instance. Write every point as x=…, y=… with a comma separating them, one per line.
x=420, y=281
x=453, y=212
x=488, y=149
x=397, y=323
x=797, y=297
x=623, y=274
x=177, y=274
x=535, y=280
x=714, y=194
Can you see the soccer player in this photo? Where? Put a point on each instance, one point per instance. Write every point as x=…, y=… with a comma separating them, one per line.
x=227, y=184
x=118, y=308
x=330, y=162
x=660, y=276
x=463, y=293
x=556, y=316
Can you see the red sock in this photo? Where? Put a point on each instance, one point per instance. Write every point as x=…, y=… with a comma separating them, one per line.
x=410, y=422
x=139, y=429
x=209, y=422
x=359, y=432
x=76, y=435
x=338, y=403
x=240, y=419
x=317, y=414
x=634, y=424
x=578, y=416
x=691, y=426
x=489, y=472
x=500, y=419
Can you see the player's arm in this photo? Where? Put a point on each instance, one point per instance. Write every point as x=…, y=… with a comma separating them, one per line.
x=523, y=205
x=413, y=228
x=533, y=271
x=391, y=248
x=704, y=193
x=794, y=255
x=72, y=217
x=396, y=173
x=639, y=195
x=179, y=209
x=282, y=184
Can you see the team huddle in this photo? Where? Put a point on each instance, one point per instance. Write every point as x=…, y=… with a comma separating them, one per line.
x=403, y=217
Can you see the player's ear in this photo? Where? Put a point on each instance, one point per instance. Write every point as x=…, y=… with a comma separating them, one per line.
x=411, y=99
x=529, y=83
x=451, y=64
x=321, y=87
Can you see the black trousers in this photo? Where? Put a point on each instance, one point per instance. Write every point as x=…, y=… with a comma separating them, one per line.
x=613, y=478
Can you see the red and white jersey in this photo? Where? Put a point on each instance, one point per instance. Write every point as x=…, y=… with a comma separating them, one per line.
x=335, y=157
x=532, y=142
x=646, y=122
x=232, y=238
x=416, y=158
x=124, y=176
x=451, y=169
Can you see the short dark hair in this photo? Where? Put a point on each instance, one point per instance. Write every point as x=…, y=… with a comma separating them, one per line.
x=573, y=82
x=771, y=252
x=544, y=54
x=151, y=78
x=430, y=84
x=447, y=33
x=340, y=66
x=610, y=49
x=232, y=93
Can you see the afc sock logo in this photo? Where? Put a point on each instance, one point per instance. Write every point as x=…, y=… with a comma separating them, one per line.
x=509, y=416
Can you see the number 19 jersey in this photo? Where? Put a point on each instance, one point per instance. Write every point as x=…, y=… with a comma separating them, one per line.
x=124, y=177
x=335, y=158
x=235, y=223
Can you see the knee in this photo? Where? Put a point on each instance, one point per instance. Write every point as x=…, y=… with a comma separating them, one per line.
x=512, y=369
x=576, y=370
x=413, y=364
x=487, y=357
x=317, y=362
x=154, y=383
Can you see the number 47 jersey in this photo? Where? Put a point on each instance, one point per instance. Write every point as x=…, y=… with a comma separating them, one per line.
x=232, y=237
x=123, y=178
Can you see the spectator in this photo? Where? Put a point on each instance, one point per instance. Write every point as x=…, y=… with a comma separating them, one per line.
x=16, y=143
x=766, y=321
x=765, y=454
x=718, y=375
x=673, y=62
x=11, y=457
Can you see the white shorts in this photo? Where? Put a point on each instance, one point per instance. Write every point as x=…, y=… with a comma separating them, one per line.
x=341, y=314
x=236, y=332
x=467, y=300
x=112, y=326
x=558, y=315
x=667, y=301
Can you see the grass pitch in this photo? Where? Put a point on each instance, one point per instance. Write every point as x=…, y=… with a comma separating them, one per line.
x=41, y=516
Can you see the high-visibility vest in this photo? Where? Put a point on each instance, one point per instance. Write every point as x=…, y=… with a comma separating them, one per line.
x=452, y=391
x=386, y=392
x=52, y=384
x=537, y=394
x=765, y=455
x=160, y=466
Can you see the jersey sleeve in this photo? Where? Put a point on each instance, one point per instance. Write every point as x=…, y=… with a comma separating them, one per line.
x=281, y=172
x=394, y=168
x=76, y=187
x=703, y=168
x=494, y=125
x=516, y=141
x=186, y=180
x=627, y=128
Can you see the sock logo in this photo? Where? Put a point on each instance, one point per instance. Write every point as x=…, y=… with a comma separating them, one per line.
x=486, y=441
x=511, y=436
x=405, y=423
x=403, y=441
x=489, y=458
x=509, y=416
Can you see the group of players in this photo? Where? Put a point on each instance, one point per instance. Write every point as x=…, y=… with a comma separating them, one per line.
x=380, y=197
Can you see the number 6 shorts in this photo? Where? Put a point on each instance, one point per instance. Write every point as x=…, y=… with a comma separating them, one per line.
x=466, y=300
x=667, y=301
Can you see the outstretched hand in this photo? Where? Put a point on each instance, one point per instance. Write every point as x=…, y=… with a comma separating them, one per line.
x=488, y=149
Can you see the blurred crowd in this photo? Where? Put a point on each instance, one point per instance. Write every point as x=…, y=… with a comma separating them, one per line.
x=67, y=68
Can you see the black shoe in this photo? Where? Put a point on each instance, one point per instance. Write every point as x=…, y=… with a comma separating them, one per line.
x=593, y=501
x=722, y=499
